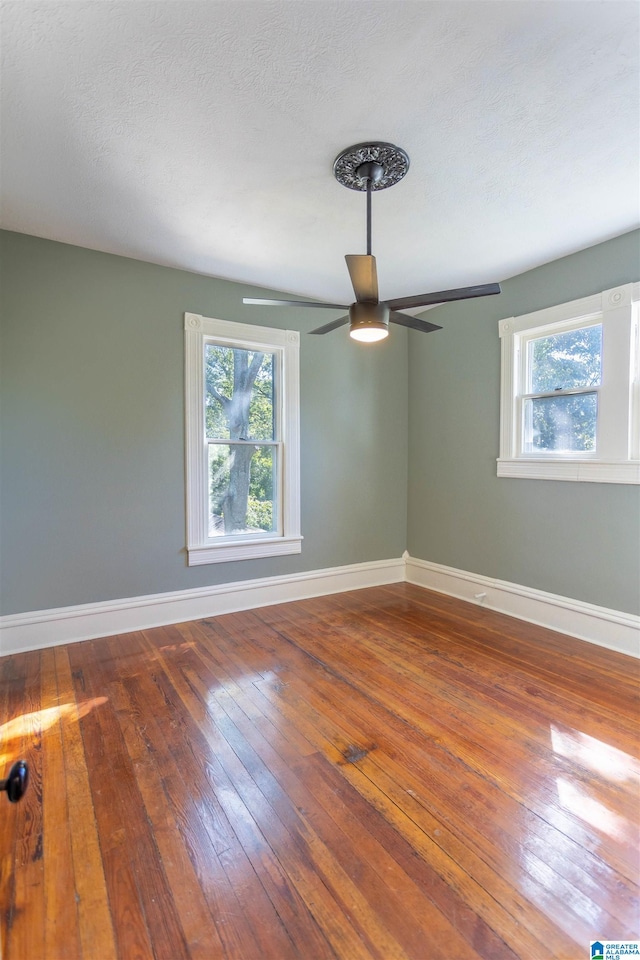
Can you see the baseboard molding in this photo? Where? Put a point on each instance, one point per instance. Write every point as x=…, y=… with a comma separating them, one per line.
x=49, y=628
x=586, y=621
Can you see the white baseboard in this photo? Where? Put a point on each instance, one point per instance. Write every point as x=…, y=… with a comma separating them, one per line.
x=49, y=628
x=607, y=628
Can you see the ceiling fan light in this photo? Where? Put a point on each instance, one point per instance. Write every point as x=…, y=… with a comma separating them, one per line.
x=368, y=321
x=368, y=332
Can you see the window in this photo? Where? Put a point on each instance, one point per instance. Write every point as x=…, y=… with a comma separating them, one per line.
x=570, y=393
x=562, y=377
x=242, y=449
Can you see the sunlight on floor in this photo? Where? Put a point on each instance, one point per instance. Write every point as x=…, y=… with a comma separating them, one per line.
x=29, y=725
x=577, y=801
x=601, y=758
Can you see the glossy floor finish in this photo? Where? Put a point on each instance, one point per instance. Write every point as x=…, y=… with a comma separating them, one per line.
x=385, y=773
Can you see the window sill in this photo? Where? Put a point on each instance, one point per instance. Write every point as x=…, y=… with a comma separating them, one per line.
x=244, y=550
x=592, y=471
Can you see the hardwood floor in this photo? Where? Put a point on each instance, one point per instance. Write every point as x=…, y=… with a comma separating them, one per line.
x=385, y=773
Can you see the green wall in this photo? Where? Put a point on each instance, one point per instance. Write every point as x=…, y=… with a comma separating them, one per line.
x=579, y=540
x=92, y=431
x=92, y=464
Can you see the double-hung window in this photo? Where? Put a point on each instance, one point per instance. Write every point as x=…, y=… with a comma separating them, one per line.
x=570, y=403
x=242, y=441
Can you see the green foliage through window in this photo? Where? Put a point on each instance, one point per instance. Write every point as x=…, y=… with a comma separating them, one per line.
x=565, y=361
x=564, y=424
x=239, y=394
x=571, y=360
x=240, y=407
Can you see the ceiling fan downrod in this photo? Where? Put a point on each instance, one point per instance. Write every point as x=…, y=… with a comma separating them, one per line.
x=371, y=172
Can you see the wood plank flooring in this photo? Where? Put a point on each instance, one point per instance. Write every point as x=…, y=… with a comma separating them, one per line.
x=387, y=773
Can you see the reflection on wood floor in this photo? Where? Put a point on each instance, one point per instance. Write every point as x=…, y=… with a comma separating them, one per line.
x=384, y=773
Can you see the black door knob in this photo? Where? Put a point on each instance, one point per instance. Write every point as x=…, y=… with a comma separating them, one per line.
x=17, y=781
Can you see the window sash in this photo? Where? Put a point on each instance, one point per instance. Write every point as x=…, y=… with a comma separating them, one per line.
x=249, y=443
x=573, y=391
x=523, y=377
x=278, y=498
x=277, y=377
x=528, y=340
x=555, y=453
x=222, y=441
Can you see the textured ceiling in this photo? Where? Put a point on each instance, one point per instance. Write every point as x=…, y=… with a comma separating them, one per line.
x=202, y=134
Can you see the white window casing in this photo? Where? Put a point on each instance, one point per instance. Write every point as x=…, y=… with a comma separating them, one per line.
x=202, y=548
x=617, y=456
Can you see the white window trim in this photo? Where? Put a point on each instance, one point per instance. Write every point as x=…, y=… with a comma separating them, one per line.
x=201, y=548
x=618, y=457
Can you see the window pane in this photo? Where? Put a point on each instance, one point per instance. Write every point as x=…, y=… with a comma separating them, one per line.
x=565, y=361
x=561, y=424
x=239, y=394
x=242, y=489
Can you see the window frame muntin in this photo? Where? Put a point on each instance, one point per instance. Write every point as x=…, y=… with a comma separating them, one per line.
x=202, y=549
x=618, y=460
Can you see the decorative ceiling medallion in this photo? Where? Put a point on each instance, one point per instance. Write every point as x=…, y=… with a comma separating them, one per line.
x=392, y=159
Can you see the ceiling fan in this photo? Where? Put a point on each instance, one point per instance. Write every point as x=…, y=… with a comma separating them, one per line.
x=370, y=167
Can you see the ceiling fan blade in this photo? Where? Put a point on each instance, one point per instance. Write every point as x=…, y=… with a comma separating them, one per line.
x=444, y=296
x=328, y=327
x=296, y=303
x=413, y=322
x=364, y=277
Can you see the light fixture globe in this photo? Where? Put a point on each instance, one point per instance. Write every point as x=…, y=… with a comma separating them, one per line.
x=368, y=322
x=368, y=334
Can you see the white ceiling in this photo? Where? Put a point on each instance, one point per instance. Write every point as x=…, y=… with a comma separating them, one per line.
x=202, y=135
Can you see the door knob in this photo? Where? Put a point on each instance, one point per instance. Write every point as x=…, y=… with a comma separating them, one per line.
x=16, y=782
